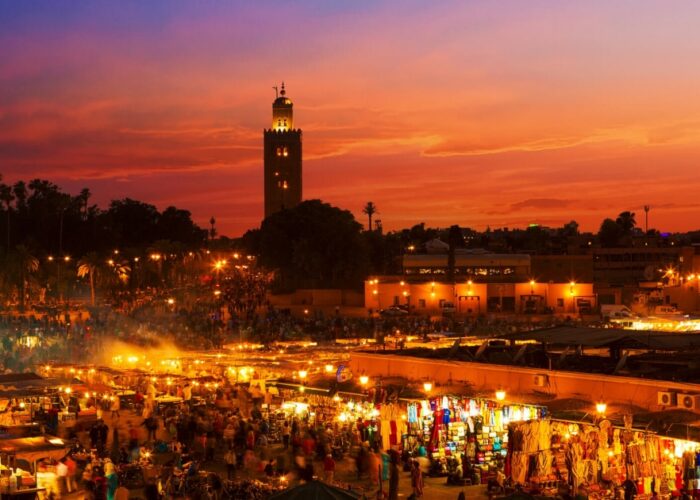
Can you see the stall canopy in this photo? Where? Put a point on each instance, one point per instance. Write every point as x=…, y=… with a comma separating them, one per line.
x=13, y=384
x=609, y=337
x=315, y=490
x=35, y=448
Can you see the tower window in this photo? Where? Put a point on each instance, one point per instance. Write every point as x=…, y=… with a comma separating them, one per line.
x=284, y=185
x=279, y=151
x=284, y=151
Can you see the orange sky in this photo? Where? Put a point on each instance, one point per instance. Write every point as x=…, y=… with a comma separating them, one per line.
x=475, y=113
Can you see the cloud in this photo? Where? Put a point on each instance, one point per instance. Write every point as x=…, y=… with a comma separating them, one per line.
x=542, y=203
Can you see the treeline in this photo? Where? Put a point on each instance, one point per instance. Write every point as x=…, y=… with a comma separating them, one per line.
x=39, y=216
x=315, y=245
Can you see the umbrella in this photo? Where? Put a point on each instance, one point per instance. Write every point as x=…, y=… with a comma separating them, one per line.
x=315, y=490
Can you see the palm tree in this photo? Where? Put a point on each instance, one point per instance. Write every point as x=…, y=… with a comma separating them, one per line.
x=369, y=210
x=89, y=265
x=23, y=265
x=7, y=197
x=626, y=221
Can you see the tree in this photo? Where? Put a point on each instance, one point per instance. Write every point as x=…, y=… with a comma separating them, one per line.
x=313, y=245
x=103, y=271
x=609, y=233
x=22, y=265
x=626, y=222
x=7, y=197
x=369, y=210
x=570, y=229
x=88, y=266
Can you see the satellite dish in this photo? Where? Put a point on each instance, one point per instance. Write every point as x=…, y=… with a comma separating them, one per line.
x=649, y=273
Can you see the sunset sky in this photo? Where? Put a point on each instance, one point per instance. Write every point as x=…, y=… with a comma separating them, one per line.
x=476, y=113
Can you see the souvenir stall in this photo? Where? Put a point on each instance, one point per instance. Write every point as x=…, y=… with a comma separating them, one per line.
x=449, y=428
x=549, y=456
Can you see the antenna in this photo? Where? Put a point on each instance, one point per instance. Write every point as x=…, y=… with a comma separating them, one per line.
x=646, y=218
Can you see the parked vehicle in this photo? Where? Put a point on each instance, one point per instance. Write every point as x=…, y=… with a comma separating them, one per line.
x=616, y=311
x=394, y=311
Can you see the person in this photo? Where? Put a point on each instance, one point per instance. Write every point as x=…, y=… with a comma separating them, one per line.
x=122, y=493
x=111, y=480
x=230, y=459
x=115, y=405
x=394, y=476
x=630, y=488
x=71, y=484
x=286, y=432
x=581, y=493
x=329, y=468
x=62, y=473
x=416, y=480
x=270, y=468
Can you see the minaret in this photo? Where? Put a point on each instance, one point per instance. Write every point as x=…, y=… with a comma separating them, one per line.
x=282, y=157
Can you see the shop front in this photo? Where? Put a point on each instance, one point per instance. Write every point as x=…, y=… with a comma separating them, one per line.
x=458, y=433
x=551, y=456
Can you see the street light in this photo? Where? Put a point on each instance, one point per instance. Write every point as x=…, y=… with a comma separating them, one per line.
x=364, y=379
x=601, y=408
x=302, y=374
x=427, y=387
x=500, y=395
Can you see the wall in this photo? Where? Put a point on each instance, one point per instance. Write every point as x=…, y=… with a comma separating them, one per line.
x=318, y=297
x=472, y=298
x=520, y=381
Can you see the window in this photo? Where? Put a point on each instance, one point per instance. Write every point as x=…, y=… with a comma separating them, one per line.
x=560, y=302
x=421, y=303
x=284, y=151
x=279, y=151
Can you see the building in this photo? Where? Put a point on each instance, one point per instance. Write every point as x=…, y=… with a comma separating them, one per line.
x=468, y=264
x=656, y=371
x=282, y=156
x=483, y=283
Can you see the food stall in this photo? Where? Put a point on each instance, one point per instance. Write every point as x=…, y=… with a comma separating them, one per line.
x=27, y=465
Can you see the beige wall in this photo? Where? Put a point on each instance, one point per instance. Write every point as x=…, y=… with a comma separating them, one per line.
x=519, y=381
x=472, y=297
x=318, y=297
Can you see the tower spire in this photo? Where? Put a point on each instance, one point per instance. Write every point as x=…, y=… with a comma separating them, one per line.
x=283, y=92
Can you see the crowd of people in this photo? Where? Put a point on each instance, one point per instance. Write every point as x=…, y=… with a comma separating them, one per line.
x=169, y=450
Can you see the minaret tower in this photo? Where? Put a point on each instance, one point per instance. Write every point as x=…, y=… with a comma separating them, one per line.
x=282, y=157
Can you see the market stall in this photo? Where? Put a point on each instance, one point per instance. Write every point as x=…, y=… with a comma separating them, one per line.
x=550, y=455
x=453, y=430
x=27, y=465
